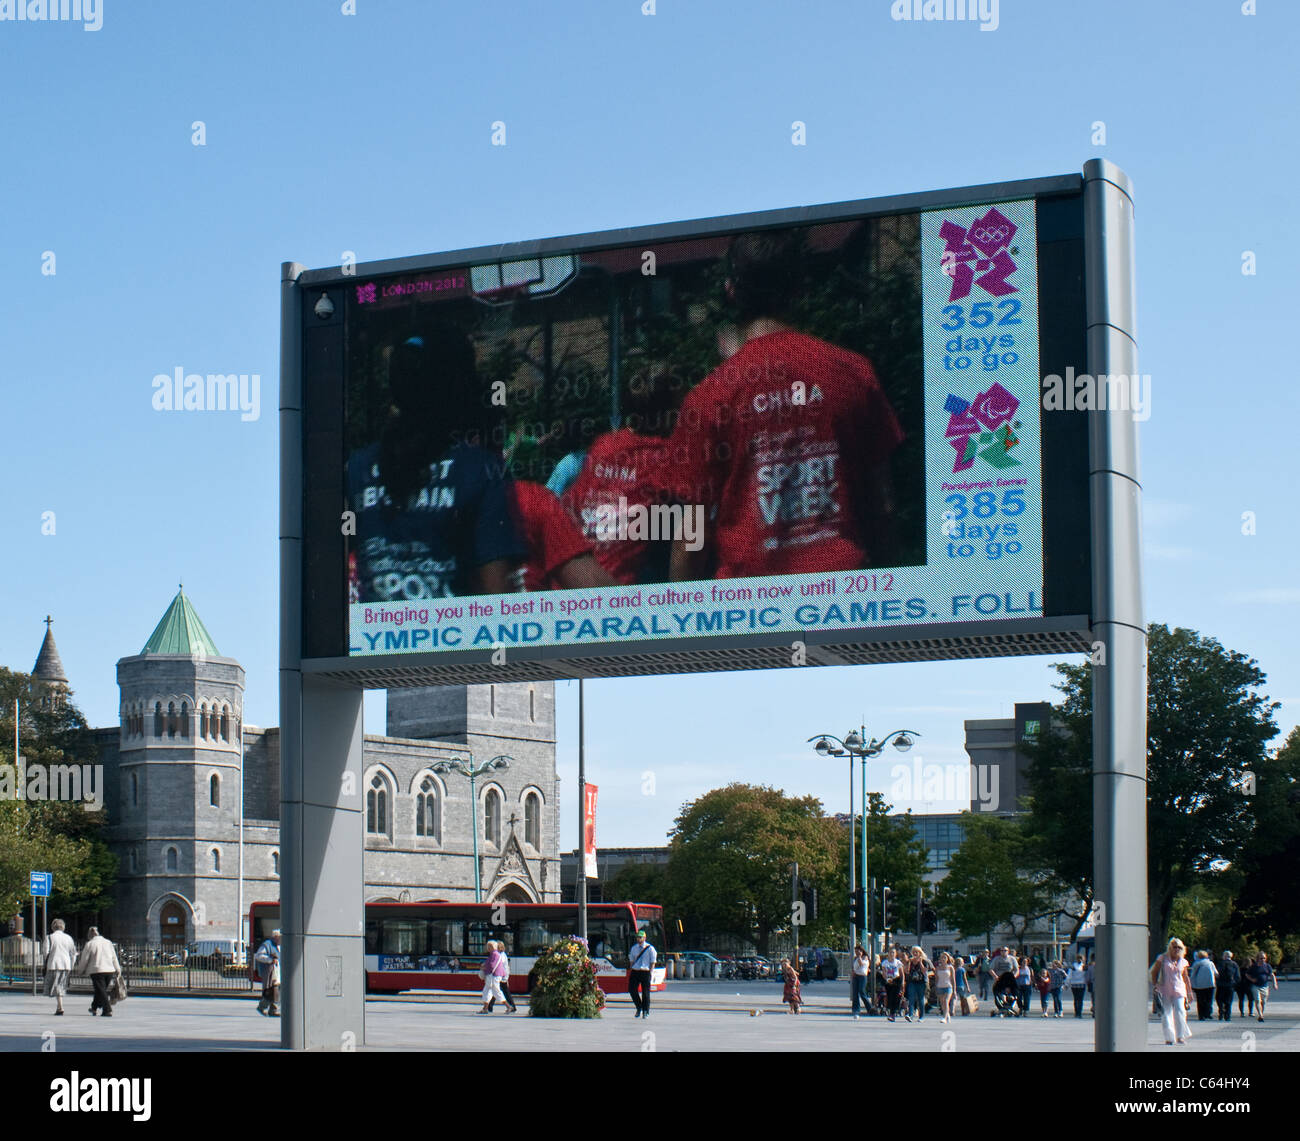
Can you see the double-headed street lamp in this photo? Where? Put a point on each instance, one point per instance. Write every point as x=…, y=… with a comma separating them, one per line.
x=465, y=766
x=855, y=744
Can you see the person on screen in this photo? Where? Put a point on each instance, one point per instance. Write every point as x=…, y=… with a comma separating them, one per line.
x=431, y=495
x=559, y=556
x=631, y=467
x=790, y=437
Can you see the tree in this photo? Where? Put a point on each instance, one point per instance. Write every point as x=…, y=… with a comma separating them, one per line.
x=1267, y=904
x=49, y=835
x=896, y=858
x=1207, y=726
x=730, y=857
x=639, y=883
x=990, y=881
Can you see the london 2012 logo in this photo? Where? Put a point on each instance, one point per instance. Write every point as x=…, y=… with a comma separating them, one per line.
x=984, y=427
x=984, y=249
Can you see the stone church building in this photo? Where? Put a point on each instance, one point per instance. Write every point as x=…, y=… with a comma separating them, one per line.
x=181, y=761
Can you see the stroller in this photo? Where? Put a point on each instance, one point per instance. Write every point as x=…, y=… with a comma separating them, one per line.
x=1005, y=995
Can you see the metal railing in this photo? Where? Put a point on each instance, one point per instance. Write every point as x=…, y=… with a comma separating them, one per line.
x=146, y=967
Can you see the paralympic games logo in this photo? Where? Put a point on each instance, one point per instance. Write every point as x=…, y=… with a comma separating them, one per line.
x=984, y=249
x=984, y=427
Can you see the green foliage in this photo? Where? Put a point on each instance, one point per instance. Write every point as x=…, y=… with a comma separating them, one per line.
x=42, y=835
x=639, y=883
x=1207, y=725
x=564, y=983
x=991, y=881
x=731, y=854
x=895, y=858
x=1267, y=905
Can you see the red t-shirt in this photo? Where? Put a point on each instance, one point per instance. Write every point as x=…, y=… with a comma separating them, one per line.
x=638, y=469
x=787, y=479
x=551, y=535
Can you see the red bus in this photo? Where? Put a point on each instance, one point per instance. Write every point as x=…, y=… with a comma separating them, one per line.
x=434, y=945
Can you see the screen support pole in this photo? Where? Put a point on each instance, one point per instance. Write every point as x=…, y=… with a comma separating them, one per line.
x=322, y=896
x=1119, y=655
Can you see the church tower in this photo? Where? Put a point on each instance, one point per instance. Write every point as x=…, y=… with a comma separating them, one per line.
x=178, y=783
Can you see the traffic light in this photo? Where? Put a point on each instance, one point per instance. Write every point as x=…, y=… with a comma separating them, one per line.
x=858, y=907
x=886, y=908
x=808, y=894
x=929, y=920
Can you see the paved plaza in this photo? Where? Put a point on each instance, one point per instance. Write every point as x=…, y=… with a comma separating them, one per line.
x=702, y=1016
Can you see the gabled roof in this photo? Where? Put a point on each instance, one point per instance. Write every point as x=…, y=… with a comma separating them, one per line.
x=181, y=631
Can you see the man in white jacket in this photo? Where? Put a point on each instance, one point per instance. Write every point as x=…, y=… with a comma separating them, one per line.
x=60, y=955
x=99, y=961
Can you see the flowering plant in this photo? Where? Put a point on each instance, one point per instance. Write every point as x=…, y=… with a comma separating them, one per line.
x=564, y=983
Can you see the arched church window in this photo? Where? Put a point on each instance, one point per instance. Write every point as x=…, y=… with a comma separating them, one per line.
x=427, y=817
x=157, y=719
x=185, y=720
x=377, y=806
x=533, y=820
x=492, y=817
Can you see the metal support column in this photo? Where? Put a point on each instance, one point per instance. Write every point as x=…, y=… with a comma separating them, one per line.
x=1119, y=679
x=322, y=897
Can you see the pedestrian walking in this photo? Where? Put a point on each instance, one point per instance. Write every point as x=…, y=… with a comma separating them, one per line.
x=1244, y=993
x=1229, y=978
x=60, y=957
x=984, y=973
x=99, y=961
x=790, y=992
x=1076, y=978
x=860, y=974
x=963, y=984
x=1058, y=975
x=267, y=960
x=641, y=964
x=1170, y=975
x=945, y=984
x=1092, y=996
x=1260, y=975
x=891, y=973
x=1043, y=982
x=491, y=980
x=918, y=976
x=1024, y=987
x=503, y=980
x=1205, y=977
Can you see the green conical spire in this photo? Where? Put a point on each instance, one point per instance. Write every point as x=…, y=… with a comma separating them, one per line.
x=181, y=631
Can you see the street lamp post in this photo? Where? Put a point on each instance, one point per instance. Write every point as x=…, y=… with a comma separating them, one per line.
x=855, y=744
x=466, y=768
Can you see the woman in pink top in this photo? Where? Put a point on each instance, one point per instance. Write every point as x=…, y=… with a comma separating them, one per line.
x=1173, y=985
x=491, y=977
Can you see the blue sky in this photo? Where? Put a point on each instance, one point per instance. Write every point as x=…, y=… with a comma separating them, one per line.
x=328, y=132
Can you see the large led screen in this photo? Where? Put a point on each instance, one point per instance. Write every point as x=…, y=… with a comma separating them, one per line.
x=831, y=427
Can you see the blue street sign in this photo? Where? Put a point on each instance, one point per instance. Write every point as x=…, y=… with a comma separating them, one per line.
x=42, y=882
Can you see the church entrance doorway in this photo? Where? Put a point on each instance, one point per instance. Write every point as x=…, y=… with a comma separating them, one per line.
x=171, y=923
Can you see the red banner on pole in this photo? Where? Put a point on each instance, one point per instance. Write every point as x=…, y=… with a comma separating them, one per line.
x=589, y=832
